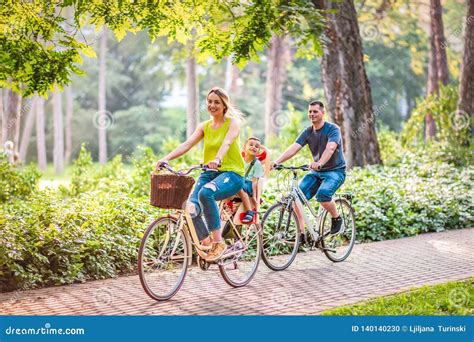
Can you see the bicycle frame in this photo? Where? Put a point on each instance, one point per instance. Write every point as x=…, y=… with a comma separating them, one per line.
x=186, y=226
x=190, y=230
x=300, y=201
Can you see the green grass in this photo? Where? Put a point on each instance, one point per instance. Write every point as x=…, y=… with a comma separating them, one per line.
x=453, y=298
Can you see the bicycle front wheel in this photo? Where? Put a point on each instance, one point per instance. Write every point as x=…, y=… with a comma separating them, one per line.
x=163, y=259
x=338, y=247
x=281, y=237
x=240, y=261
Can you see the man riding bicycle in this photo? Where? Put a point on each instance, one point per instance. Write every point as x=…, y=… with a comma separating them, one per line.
x=328, y=166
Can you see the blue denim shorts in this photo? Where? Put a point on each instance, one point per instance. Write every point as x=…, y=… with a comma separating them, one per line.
x=323, y=184
x=248, y=187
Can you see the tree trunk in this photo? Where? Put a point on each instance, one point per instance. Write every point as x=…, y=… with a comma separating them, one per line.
x=69, y=114
x=346, y=86
x=466, y=86
x=102, y=114
x=278, y=58
x=192, y=112
x=438, y=63
x=228, y=74
x=436, y=13
x=58, y=151
x=28, y=128
x=232, y=74
x=40, y=134
x=432, y=85
x=11, y=118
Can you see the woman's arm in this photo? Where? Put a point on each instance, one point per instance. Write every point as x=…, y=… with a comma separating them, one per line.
x=192, y=141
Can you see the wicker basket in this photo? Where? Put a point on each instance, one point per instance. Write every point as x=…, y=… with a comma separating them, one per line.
x=170, y=191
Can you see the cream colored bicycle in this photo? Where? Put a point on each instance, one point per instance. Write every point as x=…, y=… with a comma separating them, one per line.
x=166, y=247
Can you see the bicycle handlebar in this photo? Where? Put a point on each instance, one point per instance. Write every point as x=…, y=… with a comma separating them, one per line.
x=293, y=168
x=203, y=167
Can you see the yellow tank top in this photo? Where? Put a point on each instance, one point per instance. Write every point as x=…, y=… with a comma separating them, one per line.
x=213, y=139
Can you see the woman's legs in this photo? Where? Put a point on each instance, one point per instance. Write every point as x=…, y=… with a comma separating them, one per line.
x=221, y=187
x=224, y=185
x=195, y=208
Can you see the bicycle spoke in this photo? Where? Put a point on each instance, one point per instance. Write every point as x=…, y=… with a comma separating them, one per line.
x=338, y=247
x=280, y=237
x=163, y=259
x=240, y=264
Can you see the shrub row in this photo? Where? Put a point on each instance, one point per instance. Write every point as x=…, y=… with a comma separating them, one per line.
x=91, y=229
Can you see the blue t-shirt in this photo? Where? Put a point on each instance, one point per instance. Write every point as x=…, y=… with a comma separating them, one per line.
x=317, y=141
x=255, y=172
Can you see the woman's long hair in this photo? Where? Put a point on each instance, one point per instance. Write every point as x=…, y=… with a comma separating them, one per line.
x=229, y=110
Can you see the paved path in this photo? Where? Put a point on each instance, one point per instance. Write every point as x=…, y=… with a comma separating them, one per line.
x=311, y=285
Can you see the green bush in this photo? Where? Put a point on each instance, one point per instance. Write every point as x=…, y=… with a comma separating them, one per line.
x=16, y=183
x=413, y=198
x=91, y=229
x=50, y=240
x=453, y=129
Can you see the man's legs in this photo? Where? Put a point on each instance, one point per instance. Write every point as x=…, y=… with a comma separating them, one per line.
x=309, y=186
x=332, y=180
x=331, y=208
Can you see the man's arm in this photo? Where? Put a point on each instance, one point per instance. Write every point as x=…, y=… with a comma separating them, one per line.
x=328, y=152
x=289, y=153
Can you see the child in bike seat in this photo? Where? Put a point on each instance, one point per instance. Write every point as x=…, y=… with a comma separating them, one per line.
x=253, y=171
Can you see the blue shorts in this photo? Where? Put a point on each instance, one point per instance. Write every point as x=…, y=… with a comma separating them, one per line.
x=248, y=187
x=323, y=184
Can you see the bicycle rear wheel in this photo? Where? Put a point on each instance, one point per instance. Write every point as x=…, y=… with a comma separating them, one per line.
x=281, y=237
x=240, y=261
x=163, y=259
x=338, y=247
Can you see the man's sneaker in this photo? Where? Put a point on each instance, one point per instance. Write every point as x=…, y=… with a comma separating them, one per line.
x=336, y=224
x=218, y=249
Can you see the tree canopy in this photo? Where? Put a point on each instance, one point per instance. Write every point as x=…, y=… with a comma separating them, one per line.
x=42, y=47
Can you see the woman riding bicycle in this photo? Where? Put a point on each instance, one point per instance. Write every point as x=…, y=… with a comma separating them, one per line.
x=226, y=168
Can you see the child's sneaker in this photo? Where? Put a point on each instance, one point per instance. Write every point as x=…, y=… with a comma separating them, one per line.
x=248, y=218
